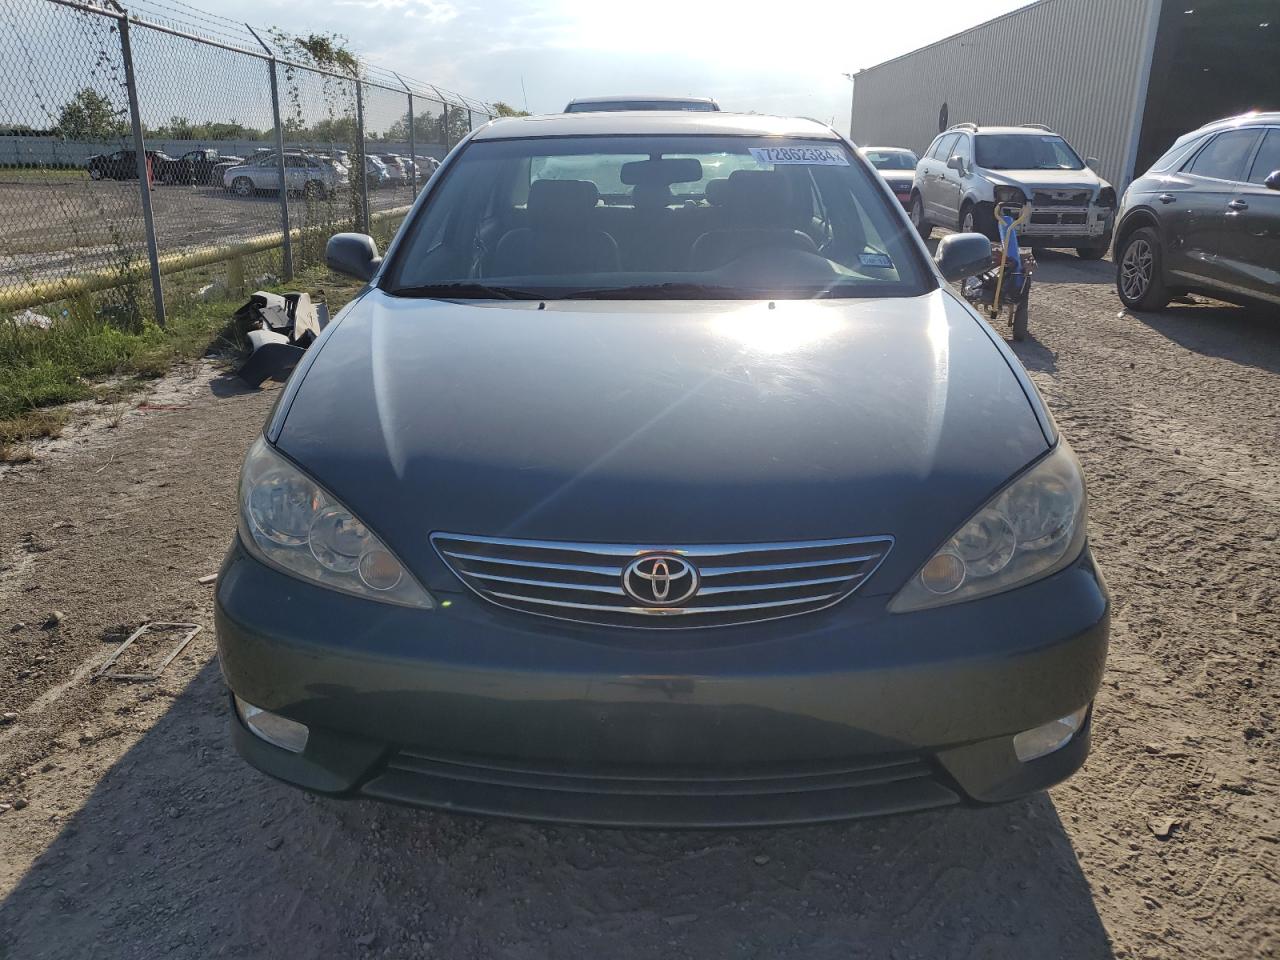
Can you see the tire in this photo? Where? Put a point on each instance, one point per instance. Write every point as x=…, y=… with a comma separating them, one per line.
x=242, y=187
x=95, y=173
x=1139, y=271
x=1091, y=253
x=1021, y=315
x=923, y=227
x=978, y=218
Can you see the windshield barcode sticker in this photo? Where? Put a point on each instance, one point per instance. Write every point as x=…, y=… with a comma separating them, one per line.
x=818, y=156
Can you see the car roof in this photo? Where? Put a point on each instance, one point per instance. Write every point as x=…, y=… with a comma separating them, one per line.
x=889, y=149
x=1254, y=118
x=653, y=123
x=1029, y=130
x=639, y=98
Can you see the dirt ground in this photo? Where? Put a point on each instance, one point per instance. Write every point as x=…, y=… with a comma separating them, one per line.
x=132, y=830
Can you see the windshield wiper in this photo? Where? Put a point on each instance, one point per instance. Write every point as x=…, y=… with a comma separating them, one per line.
x=466, y=290
x=658, y=291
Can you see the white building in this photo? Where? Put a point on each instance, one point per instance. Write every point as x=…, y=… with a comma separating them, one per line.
x=1120, y=79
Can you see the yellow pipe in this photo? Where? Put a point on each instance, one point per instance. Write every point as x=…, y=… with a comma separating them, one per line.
x=67, y=288
x=1004, y=254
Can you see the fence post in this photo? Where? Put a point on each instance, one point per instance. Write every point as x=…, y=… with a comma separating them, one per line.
x=444, y=119
x=413, y=143
x=280, y=170
x=363, y=225
x=140, y=155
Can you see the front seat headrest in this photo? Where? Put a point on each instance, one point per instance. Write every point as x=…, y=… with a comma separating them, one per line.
x=552, y=201
x=761, y=198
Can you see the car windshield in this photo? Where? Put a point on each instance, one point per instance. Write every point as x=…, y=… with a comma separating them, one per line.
x=647, y=217
x=891, y=159
x=1026, y=151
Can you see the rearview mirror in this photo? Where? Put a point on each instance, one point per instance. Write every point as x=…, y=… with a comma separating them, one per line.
x=1273, y=181
x=963, y=255
x=956, y=164
x=352, y=255
x=1091, y=162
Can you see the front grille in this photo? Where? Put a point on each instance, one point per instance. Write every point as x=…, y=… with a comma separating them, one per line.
x=1070, y=219
x=1060, y=198
x=736, y=583
x=657, y=796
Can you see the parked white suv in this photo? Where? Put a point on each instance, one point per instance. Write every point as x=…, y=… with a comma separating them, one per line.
x=968, y=169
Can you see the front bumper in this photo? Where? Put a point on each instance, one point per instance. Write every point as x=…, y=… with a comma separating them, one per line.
x=1068, y=227
x=842, y=713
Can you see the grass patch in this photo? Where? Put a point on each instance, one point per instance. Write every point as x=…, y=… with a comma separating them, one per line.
x=42, y=174
x=73, y=357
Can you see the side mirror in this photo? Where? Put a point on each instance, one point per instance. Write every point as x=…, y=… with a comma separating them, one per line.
x=352, y=255
x=1273, y=181
x=956, y=164
x=963, y=255
x=1091, y=162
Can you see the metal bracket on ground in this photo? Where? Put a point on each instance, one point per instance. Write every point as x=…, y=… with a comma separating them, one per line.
x=105, y=672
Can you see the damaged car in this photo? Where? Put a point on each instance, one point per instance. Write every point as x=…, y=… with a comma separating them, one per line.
x=680, y=489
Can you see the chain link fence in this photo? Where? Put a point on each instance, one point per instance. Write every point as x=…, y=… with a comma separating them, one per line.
x=148, y=154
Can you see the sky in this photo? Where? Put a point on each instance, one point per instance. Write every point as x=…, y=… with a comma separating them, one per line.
x=786, y=56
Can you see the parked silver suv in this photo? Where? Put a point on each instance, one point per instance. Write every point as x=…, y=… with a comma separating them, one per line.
x=968, y=169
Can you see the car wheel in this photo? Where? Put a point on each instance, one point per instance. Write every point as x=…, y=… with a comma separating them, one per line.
x=1139, y=269
x=917, y=217
x=978, y=218
x=95, y=173
x=242, y=186
x=1021, y=315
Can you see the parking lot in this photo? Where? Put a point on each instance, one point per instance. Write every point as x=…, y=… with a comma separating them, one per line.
x=131, y=824
x=62, y=223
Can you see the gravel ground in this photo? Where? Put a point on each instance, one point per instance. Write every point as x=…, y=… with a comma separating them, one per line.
x=61, y=228
x=134, y=831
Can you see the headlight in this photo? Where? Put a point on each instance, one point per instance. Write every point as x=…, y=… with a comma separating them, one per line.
x=1010, y=195
x=1033, y=527
x=1107, y=197
x=288, y=521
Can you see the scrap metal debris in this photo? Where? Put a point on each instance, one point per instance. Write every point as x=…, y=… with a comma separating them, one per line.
x=106, y=673
x=207, y=578
x=280, y=328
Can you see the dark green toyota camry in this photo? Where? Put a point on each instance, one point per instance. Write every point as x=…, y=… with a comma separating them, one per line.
x=657, y=477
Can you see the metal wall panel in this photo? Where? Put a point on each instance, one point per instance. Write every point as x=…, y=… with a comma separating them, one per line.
x=1080, y=66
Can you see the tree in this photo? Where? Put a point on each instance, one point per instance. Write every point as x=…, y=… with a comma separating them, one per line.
x=506, y=110
x=182, y=128
x=90, y=116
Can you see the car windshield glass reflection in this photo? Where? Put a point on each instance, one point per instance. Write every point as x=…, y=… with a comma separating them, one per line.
x=1020, y=151
x=674, y=217
x=891, y=159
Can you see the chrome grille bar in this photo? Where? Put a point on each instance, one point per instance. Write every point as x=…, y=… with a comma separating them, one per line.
x=738, y=583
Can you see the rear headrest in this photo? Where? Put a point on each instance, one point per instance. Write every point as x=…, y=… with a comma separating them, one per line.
x=761, y=197
x=561, y=199
x=717, y=191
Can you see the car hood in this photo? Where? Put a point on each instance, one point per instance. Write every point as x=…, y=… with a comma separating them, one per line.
x=1046, y=179
x=662, y=423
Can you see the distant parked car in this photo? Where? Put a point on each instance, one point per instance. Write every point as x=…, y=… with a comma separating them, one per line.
x=304, y=173
x=898, y=167
x=427, y=166
x=193, y=167
x=614, y=104
x=397, y=174
x=968, y=169
x=121, y=165
x=1205, y=218
x=375, y=173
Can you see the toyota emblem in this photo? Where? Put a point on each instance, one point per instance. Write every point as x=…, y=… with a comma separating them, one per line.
x=660, y=580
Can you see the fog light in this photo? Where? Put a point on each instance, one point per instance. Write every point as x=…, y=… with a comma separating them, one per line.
x=1046, y=738
x=277, y=730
